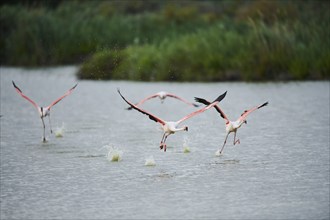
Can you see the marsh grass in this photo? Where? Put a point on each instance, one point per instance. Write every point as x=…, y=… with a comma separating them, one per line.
x=253, y=52
x=171, y=41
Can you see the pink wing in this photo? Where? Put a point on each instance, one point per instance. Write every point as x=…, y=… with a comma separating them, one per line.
x=24, y=96
x=216, y=101
x=146, y=99
x=181, y=99
x=143, y=100
x=247, y=112
x=152, y=117
x=59, y=99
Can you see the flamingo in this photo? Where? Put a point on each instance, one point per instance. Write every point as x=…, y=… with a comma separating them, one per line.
x=231, y=126
x=44, y=111
x=162, y=96
x=170, y=127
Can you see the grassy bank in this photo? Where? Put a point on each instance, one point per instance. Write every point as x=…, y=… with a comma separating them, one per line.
x=34, y=34
x=167, y=41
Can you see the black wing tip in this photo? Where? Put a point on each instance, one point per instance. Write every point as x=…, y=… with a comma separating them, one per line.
x=74, y=86
x=16, y=86
x=220, y=97
x=203, y=101
x=197, y=99
x=118, y=90
x=265, y=104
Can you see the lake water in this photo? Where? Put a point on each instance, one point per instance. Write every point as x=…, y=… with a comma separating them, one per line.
x=280, y=170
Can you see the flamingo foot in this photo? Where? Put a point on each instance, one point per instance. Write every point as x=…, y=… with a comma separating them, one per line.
x=163, y=146
x=218, y=153
x=44, y=140
x=237, y=142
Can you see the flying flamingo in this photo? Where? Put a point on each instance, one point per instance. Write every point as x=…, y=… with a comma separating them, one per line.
x=162, y=96
x=231, y=126
x=170, y=127
x=44, y=111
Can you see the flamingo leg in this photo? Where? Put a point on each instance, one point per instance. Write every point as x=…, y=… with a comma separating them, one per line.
x=50, y=124
x=224, y=143
x=162, y=142
x=236, y=141
x=44, y=127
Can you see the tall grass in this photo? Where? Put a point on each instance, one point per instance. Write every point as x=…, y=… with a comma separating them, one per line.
x=75, y=30
x=172, y=41
x=254, y=51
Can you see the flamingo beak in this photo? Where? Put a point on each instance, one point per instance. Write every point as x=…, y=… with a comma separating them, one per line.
x=186, y=128
x=245, y=121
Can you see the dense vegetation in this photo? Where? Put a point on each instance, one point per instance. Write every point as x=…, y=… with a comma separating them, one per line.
x=171, y=40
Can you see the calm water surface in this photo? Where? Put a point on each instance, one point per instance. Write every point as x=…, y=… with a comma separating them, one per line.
x=279, y=171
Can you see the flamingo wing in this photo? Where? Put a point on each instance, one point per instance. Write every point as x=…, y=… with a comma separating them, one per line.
x=152, y=117
x=24, y=96
x=210, y=105
x=143, y=100
x=59, y=99
x=205, y=102
x=247, y=112
x=181, y=99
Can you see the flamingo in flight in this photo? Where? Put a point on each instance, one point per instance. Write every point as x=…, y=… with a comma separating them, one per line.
x=170, y=127
x=231, y=126
x=162, y=96
x=44, y=111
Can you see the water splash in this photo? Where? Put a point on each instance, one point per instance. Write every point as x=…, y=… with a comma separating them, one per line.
x=59, y=131
x=218, y=154
x=114, y=154
x=150, y=161
x=186, y=148
x=44, y=141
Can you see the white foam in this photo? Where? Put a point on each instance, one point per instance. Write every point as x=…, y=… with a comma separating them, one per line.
x=218, y=154
x=114, y=154
x=150, y=161
x=59, y=131
x=186, y=148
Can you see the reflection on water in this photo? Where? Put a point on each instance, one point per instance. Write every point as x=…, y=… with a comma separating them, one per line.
x=279, y=170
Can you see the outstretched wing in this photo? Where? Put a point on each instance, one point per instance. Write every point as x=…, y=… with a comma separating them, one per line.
x=24, y=96
x=152, y=117
x=247, y=112
x=181, y=99
x=216, y=101
x=143, y=100
x=59, y=99
x=205, y=102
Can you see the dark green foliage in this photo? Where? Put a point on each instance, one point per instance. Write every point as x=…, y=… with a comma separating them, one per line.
x=171, y=40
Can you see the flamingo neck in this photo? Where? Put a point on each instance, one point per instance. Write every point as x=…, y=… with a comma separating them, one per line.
x=180, y=129
x=171, y=127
